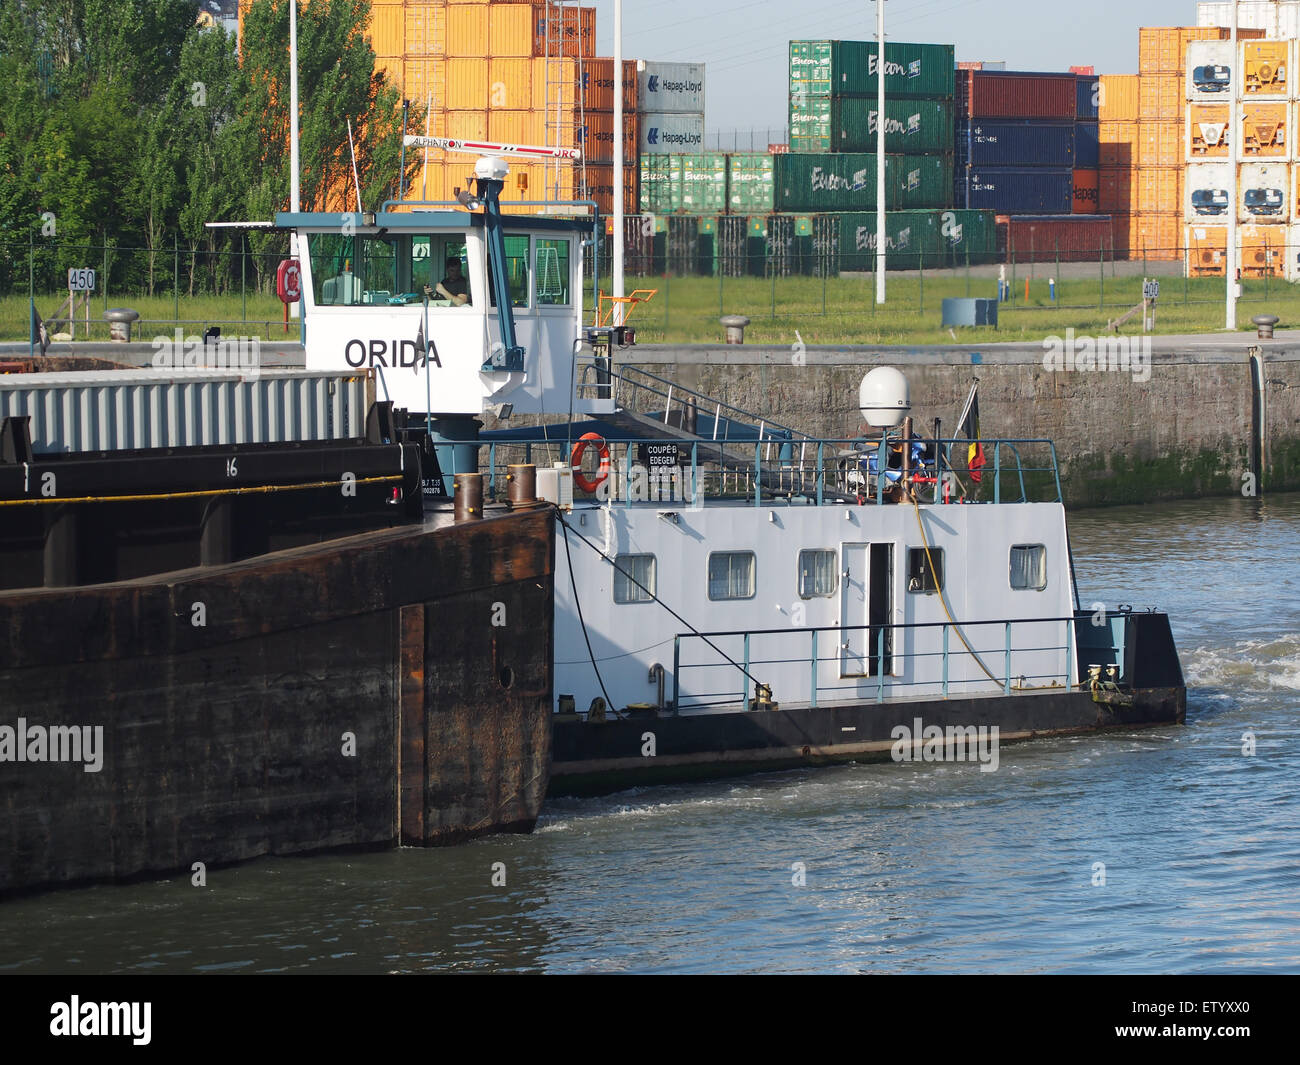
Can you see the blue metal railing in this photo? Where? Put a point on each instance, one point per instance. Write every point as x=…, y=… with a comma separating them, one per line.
x=882, y=663
x=810, y=471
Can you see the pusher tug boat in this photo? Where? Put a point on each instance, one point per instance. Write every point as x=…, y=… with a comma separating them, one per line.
x=730, y=594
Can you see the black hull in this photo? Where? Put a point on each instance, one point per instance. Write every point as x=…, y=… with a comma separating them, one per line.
x=599, y=758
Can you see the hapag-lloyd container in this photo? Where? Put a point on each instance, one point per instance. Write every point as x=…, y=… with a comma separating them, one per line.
x=847, y=181
x=985, y=143
x=1053, y=238
x=596, y=78
x=671, y=133
x=1086, y=191
x=849, y=124
x=671, y=88
x=848, y=68
x=1016, y=190
x=595, y=136
x=1264, y=192
x=1087, y=146
x=999, y=94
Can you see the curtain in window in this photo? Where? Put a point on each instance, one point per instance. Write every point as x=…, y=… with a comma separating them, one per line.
x=1029, y=567
x=731, y=575
x=816, y=573
x=638, y=568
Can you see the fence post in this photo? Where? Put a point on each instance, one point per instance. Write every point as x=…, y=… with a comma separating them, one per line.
x=813, y=699
x=967, y=270
x=1101, y=275
x=920, y=262
x=1006, y=686
x=176, y=274
x=1013, y=276
x=243, y=274
x=945, y=660
x=105, y=273
x=744, y=699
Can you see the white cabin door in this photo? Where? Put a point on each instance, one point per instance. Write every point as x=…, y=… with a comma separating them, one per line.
x=854, y=578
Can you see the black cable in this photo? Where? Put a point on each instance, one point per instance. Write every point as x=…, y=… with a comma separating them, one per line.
x=648, y=592
x=576, y=602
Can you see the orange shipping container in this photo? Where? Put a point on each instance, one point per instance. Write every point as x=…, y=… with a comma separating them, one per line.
x=510, y=30
x=598, y=84
x=600, y=187
x=517, y=127
x=467, y=30
x=1207, y=131
x=1160, y=190
x=510, y=84
x=555, y=84
x=1118, y=143
x=1086, y=191
x=1264, y=130
x=596, y=136
x=1117, y=191
x=425, y=82
x=1207, y=251
x=1163, y=49
x=1263, y=251
x=1264, y=68
x=467, y=84
x=564, y=30
x=1157, y=236
x=1160, y=97
x=1118, y=97
x=1121, y=234
x=465, y=125
x=426, y=29
x=1160, y=144
x=387, y=30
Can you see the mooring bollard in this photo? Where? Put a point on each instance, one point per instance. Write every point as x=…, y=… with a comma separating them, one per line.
x=521, y=482
x=468, y=492
x=735, y=324
x=1264, y=324
x=119, y=321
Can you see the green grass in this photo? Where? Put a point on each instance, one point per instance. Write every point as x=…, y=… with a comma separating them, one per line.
x=263, y=316
x=843, y=311
x=837, y=311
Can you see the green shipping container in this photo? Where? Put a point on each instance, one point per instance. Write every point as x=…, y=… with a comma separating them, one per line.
x=661, y=184
x=847, y=182
x=848, y=124
x=749, y=183
x=704, y=183
x=918, y=240
x=848, y=68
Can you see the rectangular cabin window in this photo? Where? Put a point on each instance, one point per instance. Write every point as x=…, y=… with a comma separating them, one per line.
x=920, y=578
x=1029, y=567
x=731, y=575
x=361, y=271
x=516, y=270
x=552, y=273
x=817, y=574
x=634, y=578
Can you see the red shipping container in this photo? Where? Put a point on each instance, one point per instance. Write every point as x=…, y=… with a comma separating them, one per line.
x=1059, y=238
x=994, y=94
x=1086, y=188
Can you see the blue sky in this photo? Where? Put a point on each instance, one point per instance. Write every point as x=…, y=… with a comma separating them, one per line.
x=743, y=42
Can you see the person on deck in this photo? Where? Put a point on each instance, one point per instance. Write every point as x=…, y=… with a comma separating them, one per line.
x=455, y=286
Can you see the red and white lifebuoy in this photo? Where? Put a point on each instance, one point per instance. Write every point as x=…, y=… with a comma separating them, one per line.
x=588, y=484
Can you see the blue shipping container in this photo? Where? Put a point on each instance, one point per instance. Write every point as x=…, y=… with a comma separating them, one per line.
x=1046, y=144
x=1087, y=146
x=1089, y=90
x=1016, y=191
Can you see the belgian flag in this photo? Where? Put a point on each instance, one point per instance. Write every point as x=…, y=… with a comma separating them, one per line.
x=968, y=428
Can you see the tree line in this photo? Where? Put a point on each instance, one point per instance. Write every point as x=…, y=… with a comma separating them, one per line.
x=127, y=124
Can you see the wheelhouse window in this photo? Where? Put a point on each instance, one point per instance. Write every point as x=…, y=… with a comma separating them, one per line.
x=1029, y=567
x=552, y=273
x=369, y=271
x=634, y=578
x=925, y=570
x=516, y=270
x=731, y=575
x=817, y=574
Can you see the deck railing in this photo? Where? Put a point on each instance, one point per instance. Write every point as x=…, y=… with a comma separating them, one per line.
x=999, y=644
x=799, y=472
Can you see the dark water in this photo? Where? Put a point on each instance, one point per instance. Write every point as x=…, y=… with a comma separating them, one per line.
x=910, y=867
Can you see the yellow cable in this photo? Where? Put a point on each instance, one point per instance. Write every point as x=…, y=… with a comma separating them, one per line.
x=999, y=681
x=156, y=496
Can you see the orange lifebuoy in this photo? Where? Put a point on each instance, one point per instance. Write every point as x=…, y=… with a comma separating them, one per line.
x=575, y=460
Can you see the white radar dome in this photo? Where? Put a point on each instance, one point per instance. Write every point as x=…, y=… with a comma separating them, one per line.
x=492, y=167
x=884, y=398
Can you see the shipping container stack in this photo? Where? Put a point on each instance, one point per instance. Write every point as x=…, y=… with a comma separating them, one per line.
x=831, y=168
x=518, y=73
x=1027, y=148
x=1267, y=211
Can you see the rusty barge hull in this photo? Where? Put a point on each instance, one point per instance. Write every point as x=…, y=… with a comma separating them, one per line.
x=390, y=687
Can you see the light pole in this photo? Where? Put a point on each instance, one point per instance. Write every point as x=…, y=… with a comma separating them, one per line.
x=880, y=151
x=616, y=264
x=1230, y=265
